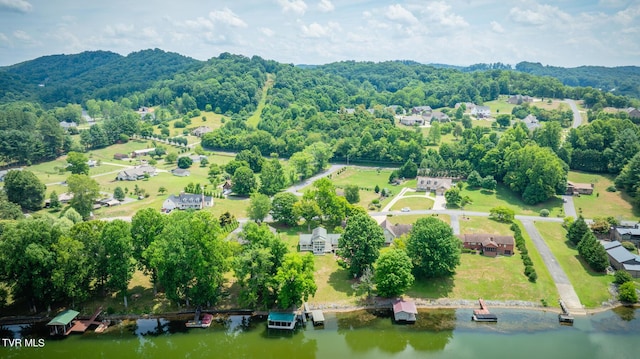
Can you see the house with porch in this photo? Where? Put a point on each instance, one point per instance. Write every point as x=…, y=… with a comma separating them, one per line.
x=136, y=173
x=319, y=241
x=481, y=111
x=491, y=245
x=437, y=185
x=187, y=201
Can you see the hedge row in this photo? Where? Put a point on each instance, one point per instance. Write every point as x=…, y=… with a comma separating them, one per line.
x=529, y=271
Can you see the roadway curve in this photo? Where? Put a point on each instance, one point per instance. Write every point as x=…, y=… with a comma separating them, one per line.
x=577, y=117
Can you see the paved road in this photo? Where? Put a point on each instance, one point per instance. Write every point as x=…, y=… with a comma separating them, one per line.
x=577, y=117
x=565, y=289
x=295, y=189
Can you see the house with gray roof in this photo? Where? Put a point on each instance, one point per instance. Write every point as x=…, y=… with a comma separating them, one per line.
x=136, y=173
x=319, y=241
x=621, y=259
x=200, y=131
x=627, y=235
x=187, y=201
x=531, y=122
x=392, y=231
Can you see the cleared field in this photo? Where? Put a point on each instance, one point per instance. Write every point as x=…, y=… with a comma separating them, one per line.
x=591, y=287
x=363, y=178
x=412, y=218
x=483, y=201
x=484, y=225
x=499, y=106
x=601, y=202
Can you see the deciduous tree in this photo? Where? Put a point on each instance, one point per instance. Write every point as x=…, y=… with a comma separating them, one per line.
x=244, y=181
x=77, y=163
x=359, y=245
x=25, y=189
x=295, y=280
x=393, y=273
x=85, y=191
x=259, y=207
x=433, y=249
x=283, y=208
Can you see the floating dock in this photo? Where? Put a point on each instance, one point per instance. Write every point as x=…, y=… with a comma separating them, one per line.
x=483, y=314
x=565, y=317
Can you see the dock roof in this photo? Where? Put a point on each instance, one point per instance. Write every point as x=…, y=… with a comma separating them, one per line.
x=281, y=316
x=405, y=306
x=64, y=318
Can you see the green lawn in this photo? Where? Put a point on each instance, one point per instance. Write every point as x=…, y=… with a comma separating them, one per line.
x=484, y=225
x=601, y=202
x=499, y=106
x=106, y=154
x=484, y=200
x=414, y=203
x=412, y=218
x=363, y=178
x=591, y=287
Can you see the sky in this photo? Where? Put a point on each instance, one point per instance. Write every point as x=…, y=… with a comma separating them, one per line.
x=565, y=33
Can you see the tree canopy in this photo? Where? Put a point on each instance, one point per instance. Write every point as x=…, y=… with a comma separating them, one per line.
x=433, y=249
x=359, y=245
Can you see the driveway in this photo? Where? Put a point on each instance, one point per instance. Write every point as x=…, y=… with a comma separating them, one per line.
x=569, y=207
x=577, y=117
x=565, y=289
x=296, y=188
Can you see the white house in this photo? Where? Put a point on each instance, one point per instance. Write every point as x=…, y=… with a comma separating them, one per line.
x=319, y=242
x=481, y=111
x=186, y=201
x=180, y=172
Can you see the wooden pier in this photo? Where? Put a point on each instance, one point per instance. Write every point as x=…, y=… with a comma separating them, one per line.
x=565, y=317
x=483, y=314
x=81, y=326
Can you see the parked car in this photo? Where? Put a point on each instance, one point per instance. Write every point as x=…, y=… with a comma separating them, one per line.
x=406, y=209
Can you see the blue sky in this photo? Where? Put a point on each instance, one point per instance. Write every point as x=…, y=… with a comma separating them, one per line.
x=458, y=32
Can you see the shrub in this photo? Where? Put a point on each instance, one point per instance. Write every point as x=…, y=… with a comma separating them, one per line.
x=533, y=276
x=527, y=261
x=629, y=246
x=622, y=277
x=528, y=270
x=544, y=212
x=611, y=189
x=627, y=293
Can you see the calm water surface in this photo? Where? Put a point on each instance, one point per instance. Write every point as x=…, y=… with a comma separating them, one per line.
x=361, y=334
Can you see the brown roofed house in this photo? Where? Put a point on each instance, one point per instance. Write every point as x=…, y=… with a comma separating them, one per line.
x=574, y=188
x=490, y=245
x=392, y=232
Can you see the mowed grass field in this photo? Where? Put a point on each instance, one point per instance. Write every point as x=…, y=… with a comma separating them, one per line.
x=602, y=202
x=366, y=179
x=591, y=287
x=413, y=203
x=483, y=201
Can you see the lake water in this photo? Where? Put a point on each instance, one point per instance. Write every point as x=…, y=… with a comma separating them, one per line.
x=360, y=334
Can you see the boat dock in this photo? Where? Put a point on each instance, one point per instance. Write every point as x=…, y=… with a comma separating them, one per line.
x=317, y=317
x=483, y=314
x=565, y=317
x=81, y=326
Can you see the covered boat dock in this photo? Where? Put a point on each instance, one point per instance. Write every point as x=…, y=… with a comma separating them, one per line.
x=62, y=323
x=281, y=320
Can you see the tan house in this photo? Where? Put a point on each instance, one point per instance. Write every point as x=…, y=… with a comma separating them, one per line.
x=490, y=245
x=574, y=188
x=438, y=185
x=199, y=131
x=392, y=231
x=319, y=241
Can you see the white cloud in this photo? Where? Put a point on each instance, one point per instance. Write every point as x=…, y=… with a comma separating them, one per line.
x=496, y=27
x=440, y=13
x=267, y=31
x=199, y=24
x=15, y=5
x=228, y=17
x=296, y=6
x=628, y=15
x=398, y=13
x=538, y=15
x=118, y=30
x=22, y=36
x=326, y=6
x=316, y=30
x=3, y=39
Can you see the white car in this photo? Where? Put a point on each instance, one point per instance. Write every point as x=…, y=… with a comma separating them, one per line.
x=405, y=209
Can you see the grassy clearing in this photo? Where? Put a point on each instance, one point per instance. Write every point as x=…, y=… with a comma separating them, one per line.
x=484, y=225
x=484, y=200
x=591, y=287
x=499, y=106
x=554, y=105
x=254, y=120
x=414, y=203
x=363, y=178
x=601, y=202
x=213, y=120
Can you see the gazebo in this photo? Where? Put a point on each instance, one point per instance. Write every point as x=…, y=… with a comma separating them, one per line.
x=62, y=323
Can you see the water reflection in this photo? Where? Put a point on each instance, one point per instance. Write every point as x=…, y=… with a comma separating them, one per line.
x=367, y=330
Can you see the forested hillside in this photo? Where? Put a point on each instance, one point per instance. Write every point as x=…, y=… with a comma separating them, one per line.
x=62, y=79
x=622, y=80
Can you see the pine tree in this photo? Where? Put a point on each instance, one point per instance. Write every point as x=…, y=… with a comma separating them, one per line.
x=577, y=230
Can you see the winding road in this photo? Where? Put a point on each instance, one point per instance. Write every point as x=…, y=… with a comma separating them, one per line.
x=577, y=117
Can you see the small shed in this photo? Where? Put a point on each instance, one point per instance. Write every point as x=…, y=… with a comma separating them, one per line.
x=62, y=323
x=404, y=311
